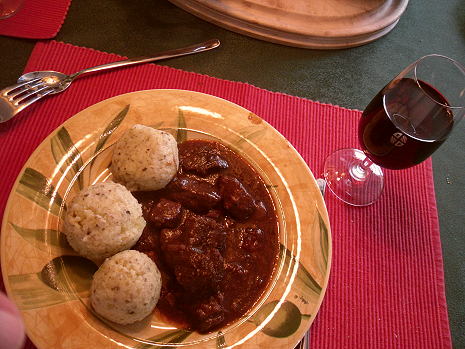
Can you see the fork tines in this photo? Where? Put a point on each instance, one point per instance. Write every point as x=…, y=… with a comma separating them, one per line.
x=21, y=95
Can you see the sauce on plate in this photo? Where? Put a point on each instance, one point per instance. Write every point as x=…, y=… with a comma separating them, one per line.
x=213, y=233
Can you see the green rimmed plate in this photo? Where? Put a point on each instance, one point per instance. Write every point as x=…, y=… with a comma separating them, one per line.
x=50, y=283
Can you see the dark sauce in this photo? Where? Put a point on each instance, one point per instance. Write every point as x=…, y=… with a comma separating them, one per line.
x=213, y=233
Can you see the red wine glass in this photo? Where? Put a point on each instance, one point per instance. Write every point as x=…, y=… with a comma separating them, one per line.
x=401, y=127
x=9, y=7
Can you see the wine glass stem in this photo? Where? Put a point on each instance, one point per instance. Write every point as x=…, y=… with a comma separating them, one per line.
x=360, y=170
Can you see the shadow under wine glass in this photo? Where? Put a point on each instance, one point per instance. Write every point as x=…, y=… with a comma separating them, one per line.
x=401, y=127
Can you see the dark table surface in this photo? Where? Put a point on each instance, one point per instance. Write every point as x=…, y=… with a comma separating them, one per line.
x=348, y=77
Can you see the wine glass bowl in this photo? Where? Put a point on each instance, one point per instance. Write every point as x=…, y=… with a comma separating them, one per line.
x=401, y=127
x=9, y=7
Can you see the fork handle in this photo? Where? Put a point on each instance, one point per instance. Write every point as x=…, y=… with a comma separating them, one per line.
x=204, y=46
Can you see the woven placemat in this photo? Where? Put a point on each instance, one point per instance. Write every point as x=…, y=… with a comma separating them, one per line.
x=36, y=19
x=386, y=287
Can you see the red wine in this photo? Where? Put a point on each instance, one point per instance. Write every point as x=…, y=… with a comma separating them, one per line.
x=402, y=125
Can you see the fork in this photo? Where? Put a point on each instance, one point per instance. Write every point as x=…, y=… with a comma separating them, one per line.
x=15, y=98
x=36, y=85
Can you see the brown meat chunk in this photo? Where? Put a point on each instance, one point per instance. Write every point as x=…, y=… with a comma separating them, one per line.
x=202, y=160
x=236, y=200
x=200, y=271
x=147, y=242
x=209, y=313
x=170, y=236
x=172, y=246
x=165, y=214
x=146, y=208
x=203, y=231
x=193, y=194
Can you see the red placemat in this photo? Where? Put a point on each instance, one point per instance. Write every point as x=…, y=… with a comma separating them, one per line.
x=386, y=287
x=36, y=19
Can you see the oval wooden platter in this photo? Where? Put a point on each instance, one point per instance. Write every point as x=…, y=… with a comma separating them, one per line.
x=316, y=24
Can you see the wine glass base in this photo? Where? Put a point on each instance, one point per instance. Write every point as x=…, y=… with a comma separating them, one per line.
x=353, y=178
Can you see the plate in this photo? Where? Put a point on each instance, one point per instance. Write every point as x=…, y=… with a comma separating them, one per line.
x=318, y=24
x=50, y=283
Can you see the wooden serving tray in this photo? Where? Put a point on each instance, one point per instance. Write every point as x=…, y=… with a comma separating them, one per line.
x=317, y=24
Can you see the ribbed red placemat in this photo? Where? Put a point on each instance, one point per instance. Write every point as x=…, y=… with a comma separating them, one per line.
x=386, y=287
x=36, y=19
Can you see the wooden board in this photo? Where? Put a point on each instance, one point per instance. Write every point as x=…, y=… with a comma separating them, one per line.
x=317, y=24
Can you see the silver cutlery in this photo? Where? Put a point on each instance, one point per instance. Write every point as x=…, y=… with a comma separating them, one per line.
x=304, y=342
x=322, y=186
x=35, y=85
